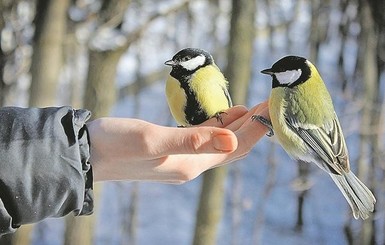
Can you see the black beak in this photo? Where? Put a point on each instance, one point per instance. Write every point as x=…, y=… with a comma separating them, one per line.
x=267, y=71
x=170, y=63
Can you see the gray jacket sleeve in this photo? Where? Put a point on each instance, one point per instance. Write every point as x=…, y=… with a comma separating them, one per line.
x=44, y=168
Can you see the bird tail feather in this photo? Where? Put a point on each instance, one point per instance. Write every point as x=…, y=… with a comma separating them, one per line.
x=359, y=197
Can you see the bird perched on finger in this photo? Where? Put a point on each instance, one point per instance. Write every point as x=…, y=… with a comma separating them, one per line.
x=196, y=89
x=306, y=125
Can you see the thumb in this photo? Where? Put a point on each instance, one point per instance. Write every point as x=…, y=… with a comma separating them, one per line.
x=196, y=140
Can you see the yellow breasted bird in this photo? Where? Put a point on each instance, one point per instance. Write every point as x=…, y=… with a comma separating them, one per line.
x=196, y=89
x=306, y=125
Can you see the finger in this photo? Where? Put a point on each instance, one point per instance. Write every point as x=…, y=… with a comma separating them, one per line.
x=251, y=132
x=227, y=117
x=248, y=134
x=247, y=117
x=260, y=109
x=195, y=140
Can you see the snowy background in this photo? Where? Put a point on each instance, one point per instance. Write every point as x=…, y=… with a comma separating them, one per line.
x=261, y=196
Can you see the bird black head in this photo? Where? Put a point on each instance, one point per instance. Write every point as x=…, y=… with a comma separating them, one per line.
x=188, y=60
x=289, y=71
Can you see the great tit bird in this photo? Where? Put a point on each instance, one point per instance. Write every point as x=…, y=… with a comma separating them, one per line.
x=196, y=89
x=306, y=125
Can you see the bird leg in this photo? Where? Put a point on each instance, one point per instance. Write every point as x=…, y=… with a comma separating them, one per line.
x=218, y=116
x=265, y=122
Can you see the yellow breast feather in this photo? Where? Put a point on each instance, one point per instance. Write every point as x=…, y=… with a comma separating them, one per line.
x=210, y=85
x=289, y=141
x=176, y=99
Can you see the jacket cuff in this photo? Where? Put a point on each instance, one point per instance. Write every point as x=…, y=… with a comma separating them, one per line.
x=44, y=165
x=80, y=117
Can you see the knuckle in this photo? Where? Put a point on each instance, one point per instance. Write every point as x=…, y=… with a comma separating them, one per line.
x=195, y=141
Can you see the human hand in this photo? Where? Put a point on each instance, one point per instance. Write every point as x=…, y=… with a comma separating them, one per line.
x=132, y=149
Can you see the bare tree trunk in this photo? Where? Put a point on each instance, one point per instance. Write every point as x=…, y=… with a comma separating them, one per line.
x=100, y=93
x=238, y=72
x=344, y=33
x=366, y=164
x=72, y=56
x=50, y=28
x=240, y=50
x=81, y=231
x=210, y=206
x=377, y=151
x=100, y=96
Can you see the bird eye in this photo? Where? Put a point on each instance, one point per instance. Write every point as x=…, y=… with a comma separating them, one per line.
x=186, y=58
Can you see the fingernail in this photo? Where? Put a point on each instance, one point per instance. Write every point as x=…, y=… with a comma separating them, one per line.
x=224, y=142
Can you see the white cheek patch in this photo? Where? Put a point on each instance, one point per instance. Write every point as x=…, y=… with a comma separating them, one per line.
x=288, y=77
x=193, y=63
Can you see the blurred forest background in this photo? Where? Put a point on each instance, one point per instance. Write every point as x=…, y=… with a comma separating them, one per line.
x=107, y=56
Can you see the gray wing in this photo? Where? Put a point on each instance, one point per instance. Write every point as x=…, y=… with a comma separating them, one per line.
x=327, y=144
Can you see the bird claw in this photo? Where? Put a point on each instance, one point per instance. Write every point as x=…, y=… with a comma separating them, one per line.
x=265, y=122
x=218, y=116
